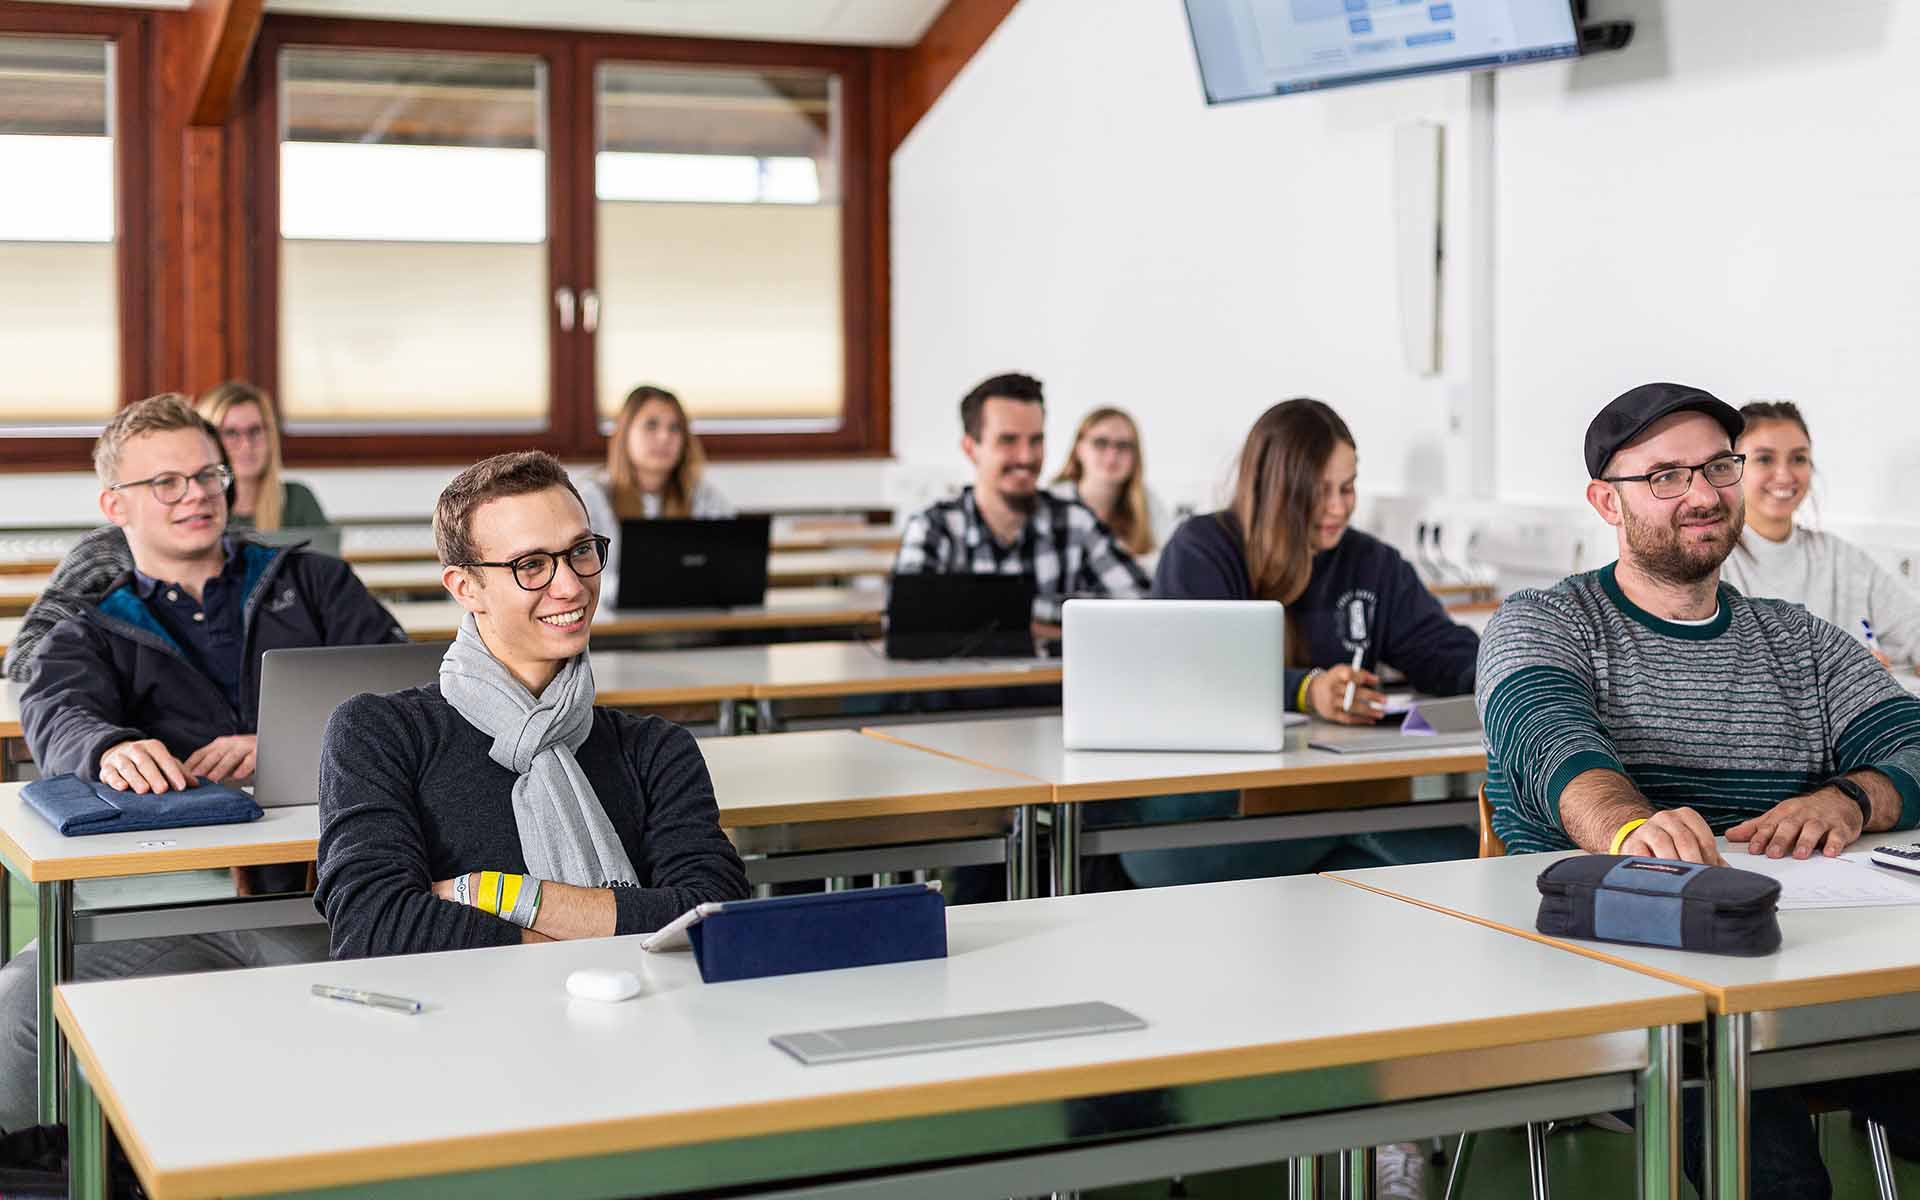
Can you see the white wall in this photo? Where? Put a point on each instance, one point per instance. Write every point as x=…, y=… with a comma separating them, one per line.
x=1072, y=208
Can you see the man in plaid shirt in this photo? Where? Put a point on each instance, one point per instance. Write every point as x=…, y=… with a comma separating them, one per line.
x=1005, y=523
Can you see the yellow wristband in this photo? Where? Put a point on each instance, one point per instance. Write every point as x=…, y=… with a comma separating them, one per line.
x=1300, y=700
x=487, y=895
x=1624, y=832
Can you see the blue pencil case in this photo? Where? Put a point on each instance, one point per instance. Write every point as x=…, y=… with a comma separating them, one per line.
x=77, y=807
x=788, y=935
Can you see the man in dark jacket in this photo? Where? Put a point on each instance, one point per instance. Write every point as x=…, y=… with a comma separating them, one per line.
x=158, y=681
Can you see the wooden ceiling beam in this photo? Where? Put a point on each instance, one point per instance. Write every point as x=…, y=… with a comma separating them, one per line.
x=221, y=34
x=922, y=71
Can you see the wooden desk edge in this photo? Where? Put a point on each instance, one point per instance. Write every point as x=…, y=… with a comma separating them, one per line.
x=157, y=862
x=1010, y=796
x=803, y=1114
x=1721, y=1000
x=920, y=683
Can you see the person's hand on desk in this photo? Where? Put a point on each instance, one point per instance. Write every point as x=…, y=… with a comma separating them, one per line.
x=1327, y=696
x=224, y=759
x=1044, y=633
x=143, y=765
x=1827, y=820
x=1675, y=833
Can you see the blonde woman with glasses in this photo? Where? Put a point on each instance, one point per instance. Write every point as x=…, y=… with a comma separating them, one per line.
x=655, y=469
x=1107, y=472
x=262, y=500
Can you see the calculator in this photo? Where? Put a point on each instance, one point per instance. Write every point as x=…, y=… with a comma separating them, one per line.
x=1900, y=858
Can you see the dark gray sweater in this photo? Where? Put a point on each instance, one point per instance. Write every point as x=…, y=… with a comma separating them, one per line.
x=408, y=796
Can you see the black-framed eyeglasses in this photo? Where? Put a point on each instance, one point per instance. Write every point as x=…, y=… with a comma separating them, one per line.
x=1104, y=444
x=585, y=558
x=170, y=487
x=1671, y=483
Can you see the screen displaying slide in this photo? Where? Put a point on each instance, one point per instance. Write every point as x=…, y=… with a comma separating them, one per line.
x=1253, y=48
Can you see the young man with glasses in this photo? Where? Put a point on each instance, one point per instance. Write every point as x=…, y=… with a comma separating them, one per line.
x=502, y=805
x=156, y=683
x=1647, y=707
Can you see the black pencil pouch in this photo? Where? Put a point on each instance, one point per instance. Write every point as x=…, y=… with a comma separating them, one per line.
x=1657, y=902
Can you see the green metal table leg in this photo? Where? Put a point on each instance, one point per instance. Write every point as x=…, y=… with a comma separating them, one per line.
x=1021, y=854
x=56, y=967
x=1303, y=1178
x=1356, y=1171
x=1066, y=849
x=1727, y=1107
x=1657, y=1115
x=88, y=1169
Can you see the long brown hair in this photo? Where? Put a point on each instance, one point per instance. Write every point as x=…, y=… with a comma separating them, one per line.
x=676, y=496
x=270, y=497
x=1273, y=496
x=1131, y=523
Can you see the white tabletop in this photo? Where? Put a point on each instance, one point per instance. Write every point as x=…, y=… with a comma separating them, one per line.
x=836, y=774
x=793, y=607
x=849, y=668
x=43, y=855
x=1827, y=955
x=1033, y=746
x=10, y=709
x=379, y=1093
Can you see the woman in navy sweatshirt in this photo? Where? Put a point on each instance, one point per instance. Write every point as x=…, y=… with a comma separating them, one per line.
x=1287, y=538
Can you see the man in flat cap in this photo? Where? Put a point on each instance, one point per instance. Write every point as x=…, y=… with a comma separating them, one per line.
x=1646, y=708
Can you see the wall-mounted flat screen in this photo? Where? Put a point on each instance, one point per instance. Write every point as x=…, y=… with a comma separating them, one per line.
x=1252, y=48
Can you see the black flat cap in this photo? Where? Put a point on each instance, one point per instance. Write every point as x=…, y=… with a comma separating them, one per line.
x=1628, y=416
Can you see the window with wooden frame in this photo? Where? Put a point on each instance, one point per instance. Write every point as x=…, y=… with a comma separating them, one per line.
x=72, y=256
x=470, y=240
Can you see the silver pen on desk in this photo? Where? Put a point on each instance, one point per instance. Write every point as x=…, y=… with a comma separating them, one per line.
x=370, y=999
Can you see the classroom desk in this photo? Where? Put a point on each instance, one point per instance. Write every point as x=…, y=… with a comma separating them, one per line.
x=19, y=591
x=833, y=804
x=801, y=568
x=1032, y=746
x=679, y=1090
x=786, y=608
x=859, y=805
x=9, y=630
x=1840, y=998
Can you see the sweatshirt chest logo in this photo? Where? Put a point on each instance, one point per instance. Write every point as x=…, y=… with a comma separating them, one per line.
x=1353, y=616
x=281, y=603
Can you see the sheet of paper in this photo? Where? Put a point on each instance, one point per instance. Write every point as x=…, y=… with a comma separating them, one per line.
x=1849, y=881
x=1399, y=702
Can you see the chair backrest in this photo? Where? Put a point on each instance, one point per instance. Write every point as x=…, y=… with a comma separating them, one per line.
x=1490, y=844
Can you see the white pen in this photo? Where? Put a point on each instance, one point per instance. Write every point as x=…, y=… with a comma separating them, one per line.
x=1347, y=704
x=370, y=999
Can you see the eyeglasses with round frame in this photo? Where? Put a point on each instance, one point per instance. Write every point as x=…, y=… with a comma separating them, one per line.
x=585, y=558
x=170, y=487
x=1671, y=483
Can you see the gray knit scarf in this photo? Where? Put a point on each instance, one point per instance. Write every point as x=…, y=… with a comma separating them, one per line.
x=565, y=835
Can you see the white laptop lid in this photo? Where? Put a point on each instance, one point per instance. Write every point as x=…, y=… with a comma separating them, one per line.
x=1174, y=675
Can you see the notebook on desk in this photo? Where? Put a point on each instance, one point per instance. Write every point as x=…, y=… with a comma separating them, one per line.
x=692, y=563
x=1430, y=723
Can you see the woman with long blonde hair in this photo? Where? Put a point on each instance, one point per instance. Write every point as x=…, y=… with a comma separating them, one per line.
x=1107, y=471
x=261, y=498
x=655, y=468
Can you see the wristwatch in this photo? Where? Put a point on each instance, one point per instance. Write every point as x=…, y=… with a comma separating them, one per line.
x=1853, y=791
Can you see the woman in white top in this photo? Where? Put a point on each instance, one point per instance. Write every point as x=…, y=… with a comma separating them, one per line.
x=1107, y=472
x=654, y=469
x=1780, y=560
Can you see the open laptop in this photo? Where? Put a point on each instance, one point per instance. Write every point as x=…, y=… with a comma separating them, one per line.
x=299, y=689
x=960, y=616
x=1175, y=675
x=685, y=563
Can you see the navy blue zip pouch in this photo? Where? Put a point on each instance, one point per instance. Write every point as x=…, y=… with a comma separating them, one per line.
x=787, y=935
x=77, y=807
x=1659, y=902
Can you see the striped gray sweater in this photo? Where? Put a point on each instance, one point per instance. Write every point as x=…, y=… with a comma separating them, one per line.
x=1729, y=718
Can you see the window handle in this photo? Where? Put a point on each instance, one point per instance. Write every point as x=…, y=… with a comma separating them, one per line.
x=563, y=299
x=590, y=311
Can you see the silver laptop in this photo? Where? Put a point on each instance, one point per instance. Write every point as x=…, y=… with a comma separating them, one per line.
x=1174, y=675
x=299, y=689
